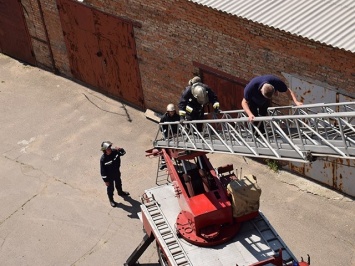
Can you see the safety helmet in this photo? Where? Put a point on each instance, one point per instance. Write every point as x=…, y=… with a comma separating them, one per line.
x=105, y=145
x=200, y=93
x=170, y=107
x=194, y=80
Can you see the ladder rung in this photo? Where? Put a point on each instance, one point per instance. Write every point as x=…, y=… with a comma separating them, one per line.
x=181, y=261
x=175, y=251
x=170, y=242
x=160, y=222
x=164, y=231
x=155, y=212
x=168, y=235
x=150, y=205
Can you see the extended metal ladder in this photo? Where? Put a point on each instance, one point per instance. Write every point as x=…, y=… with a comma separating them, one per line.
x=310, y=131
x=166, y=236
x=269, y=235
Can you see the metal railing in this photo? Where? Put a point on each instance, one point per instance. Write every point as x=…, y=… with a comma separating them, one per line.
x=297, y=137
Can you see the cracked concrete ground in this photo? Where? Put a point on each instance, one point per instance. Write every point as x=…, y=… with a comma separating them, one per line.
x=54, y=209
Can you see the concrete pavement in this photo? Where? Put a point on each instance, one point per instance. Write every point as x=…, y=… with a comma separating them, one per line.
x=54, y=209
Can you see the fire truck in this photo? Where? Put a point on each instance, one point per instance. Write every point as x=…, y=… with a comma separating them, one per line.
x=209, y=215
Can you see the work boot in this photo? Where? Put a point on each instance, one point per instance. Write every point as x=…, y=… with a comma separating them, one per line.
x=123, y=193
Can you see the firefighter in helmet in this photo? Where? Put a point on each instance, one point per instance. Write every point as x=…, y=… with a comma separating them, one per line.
x=110, y=163
x=169, y=116
x=195, y=97
x=169, y=130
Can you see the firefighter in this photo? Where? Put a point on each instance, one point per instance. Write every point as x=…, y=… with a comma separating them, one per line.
x=110, y=163
x=169, y=116
x=195, y=97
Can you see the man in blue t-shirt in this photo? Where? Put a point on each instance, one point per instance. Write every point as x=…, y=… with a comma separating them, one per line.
x=258, y=94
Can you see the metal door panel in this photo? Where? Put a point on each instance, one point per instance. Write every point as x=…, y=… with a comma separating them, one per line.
x=345, y=176
x=102, y=51
x=81, y=43
x=230, y=93
x=78, y=16
x=336, y=173
x=119, y=53
x=310, y=92
x=86, y=64
x=15, y=40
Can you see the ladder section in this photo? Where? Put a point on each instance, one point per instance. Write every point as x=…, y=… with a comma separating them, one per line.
x=272, y=239
x=285, y=137
x=164, y=234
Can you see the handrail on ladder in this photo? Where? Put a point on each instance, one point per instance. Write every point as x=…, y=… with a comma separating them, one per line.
x=304, y=109
x=315, y=108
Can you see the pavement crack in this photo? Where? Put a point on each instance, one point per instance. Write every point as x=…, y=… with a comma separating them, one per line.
x=42, y=172
x=22, y=164
x=23, y=205
x=101, y=241
x=322, y=192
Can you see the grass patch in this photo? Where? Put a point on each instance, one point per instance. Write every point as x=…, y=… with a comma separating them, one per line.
x=273, y=165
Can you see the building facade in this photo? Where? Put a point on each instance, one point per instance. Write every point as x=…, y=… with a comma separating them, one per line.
x=144, y=53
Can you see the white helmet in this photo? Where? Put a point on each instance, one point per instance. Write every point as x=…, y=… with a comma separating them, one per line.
x=105, y=145
x=200, y=93
x=194, y=80
x=170, y=107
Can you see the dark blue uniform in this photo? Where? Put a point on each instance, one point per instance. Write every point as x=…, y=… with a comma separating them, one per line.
x=255, y=98
x=110, y=171
x=187, y=99
x=173, y=128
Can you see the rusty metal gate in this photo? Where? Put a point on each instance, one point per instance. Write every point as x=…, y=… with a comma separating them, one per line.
x=14, y=37
x=229, y=89
x=334, y=172
x=102, y=51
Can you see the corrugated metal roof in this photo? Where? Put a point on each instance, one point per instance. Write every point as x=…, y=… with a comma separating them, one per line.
x=328, y=21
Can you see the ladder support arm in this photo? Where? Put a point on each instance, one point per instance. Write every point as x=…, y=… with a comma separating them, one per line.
x=137, y=253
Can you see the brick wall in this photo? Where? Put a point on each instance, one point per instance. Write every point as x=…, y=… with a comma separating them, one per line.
x=176, y=33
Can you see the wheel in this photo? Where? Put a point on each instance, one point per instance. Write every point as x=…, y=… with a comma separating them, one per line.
x=162, y=258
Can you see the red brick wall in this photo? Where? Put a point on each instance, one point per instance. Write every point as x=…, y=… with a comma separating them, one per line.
x=176, y=33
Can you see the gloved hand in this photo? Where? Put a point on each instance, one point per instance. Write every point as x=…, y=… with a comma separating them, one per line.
x=216, y=105
x=121, y=151
x=189, y=109
x=182, y=113
x=216, y=111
